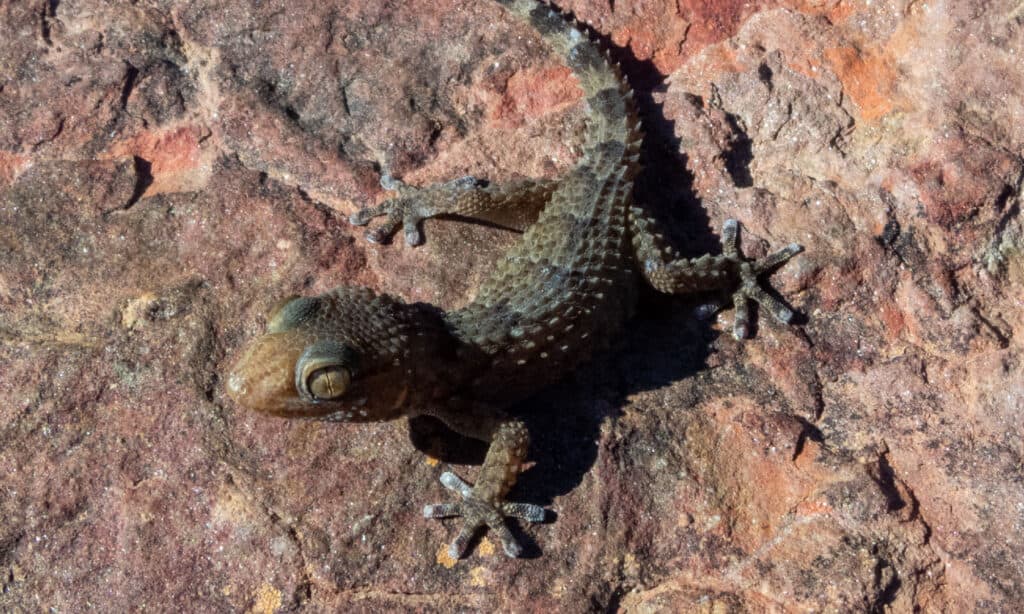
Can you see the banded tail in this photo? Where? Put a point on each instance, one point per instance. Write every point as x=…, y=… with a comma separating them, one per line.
x=612, y=114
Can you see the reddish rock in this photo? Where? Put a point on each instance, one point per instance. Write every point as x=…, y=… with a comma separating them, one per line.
x=169, y=171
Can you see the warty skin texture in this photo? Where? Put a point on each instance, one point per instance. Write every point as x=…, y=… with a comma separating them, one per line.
x=563, y=291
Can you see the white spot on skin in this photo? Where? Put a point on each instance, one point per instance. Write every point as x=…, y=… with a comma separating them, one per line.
x=236, y=384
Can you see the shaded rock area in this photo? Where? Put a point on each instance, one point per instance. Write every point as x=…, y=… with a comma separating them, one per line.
x=169, y=171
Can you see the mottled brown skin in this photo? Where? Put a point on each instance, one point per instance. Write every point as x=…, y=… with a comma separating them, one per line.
x=563, y=291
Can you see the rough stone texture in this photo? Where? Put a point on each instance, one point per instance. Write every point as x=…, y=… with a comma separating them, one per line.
x=168, y=171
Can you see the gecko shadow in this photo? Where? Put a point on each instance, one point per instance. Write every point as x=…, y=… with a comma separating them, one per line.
x=662, y=344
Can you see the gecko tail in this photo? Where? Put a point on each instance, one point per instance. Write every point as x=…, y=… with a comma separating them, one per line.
x=608, y=94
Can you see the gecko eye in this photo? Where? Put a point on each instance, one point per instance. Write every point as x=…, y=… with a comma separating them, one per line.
x=325, y=370
x=328, y=383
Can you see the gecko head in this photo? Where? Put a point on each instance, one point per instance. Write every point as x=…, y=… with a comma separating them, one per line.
x=342, y=356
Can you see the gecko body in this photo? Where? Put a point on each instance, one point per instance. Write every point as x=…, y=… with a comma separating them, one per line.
x=560, y=293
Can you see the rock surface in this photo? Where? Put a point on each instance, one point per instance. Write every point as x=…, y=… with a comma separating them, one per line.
x=168, y=171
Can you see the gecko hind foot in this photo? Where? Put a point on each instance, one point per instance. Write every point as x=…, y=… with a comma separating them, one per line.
x=750, y=288
x=478, y=513
x=411, y=206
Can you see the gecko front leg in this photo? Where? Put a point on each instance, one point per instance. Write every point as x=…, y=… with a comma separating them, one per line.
x=514, y=205
x=484, y=504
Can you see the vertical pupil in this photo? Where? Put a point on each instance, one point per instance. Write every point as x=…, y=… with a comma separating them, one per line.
x=328, y=383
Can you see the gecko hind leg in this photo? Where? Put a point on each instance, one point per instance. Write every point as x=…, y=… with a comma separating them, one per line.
x=478, y=513
x=666, y=272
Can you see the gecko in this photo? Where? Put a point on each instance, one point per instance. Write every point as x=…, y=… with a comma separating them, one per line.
x=559, y=294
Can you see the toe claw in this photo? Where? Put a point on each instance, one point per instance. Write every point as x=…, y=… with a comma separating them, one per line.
x=512, y=549
x=464, y=183
x=442, y=510
x=458, y=547
x=773, y=260
x=379, y=236
x=730, y=233
x=412, y=234
x=390, y=183
x=453, y=482
x=707, y=310
x=508, y=542
x=741, y=319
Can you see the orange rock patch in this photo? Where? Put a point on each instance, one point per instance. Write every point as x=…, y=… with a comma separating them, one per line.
x=533, y=93
x=176, y=158
x=11, y=165
x=868, y=79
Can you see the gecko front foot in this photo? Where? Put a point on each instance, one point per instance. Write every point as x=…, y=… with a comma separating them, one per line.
x=749, y=286
x=410, y=207
x=478, y=513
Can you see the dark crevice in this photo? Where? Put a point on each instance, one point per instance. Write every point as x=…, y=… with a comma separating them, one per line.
x=1009, y=213
x=1003, y=339
x=890, y=233
x=1004, y=197
x=57, y=131
x=45, y=14
x=304, y=587
x=889, y=591
x=435, y=134
x=343, y=92
x=764, y=74
x=886, y=480
x=143, y=179
x=130, y=75
x=278, y=99
x=740, y=153
x=809, y=431
x=614, y=600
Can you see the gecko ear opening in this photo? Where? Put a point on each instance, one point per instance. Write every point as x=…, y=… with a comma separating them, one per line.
x=325, y=371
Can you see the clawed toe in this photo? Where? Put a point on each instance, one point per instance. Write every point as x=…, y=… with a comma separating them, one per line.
x=398, y=212
x=408, y=208
x=477, y=514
